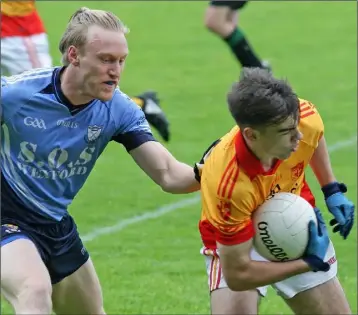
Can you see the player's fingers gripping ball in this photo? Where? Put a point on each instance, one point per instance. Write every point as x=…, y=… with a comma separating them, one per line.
x=282, y=227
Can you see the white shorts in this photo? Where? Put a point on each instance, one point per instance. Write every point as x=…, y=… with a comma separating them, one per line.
x=287, y=288
x=19, y=54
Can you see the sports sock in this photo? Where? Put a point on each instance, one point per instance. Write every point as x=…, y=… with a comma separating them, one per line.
x=242, y=50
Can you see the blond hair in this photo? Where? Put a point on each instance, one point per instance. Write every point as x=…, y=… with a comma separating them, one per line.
x=77, y=27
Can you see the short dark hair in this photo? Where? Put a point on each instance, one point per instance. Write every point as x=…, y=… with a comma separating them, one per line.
x=259, y=100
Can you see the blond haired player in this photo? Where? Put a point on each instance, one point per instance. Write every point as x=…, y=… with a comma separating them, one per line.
x=55, y=124
x=25, y=46
x=277, y=136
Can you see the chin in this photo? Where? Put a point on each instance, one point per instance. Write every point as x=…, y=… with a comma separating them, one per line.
x=105, y=97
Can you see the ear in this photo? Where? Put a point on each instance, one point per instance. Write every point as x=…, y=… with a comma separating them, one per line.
x=73, y=56
x=251, y=134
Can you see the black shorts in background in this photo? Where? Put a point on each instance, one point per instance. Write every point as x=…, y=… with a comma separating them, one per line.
x=233, y=5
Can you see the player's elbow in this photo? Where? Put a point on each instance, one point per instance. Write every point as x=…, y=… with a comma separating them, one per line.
x=166, y=183
x=166, y=186
x=179, y=178
x=240, y=280
x=240, y=283
x=170, y=186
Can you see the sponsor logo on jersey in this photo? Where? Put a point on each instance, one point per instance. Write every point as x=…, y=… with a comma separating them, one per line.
x=34, y=122
x=10, y=228
x=274, y=249
x=67, y=124
x=57, y=165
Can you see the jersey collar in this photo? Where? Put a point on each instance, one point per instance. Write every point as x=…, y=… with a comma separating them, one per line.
x=61, y=97
x=248, y=161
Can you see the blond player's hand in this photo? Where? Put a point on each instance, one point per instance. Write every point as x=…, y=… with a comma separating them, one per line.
x=198, y=167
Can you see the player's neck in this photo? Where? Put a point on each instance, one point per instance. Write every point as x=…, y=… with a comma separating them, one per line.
x=267, y=161
x=72, y=89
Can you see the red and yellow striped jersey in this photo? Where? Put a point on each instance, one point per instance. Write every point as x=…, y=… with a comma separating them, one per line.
x=234, y=184
x=20, y=18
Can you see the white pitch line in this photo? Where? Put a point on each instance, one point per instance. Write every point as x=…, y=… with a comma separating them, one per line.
x=342, y=144
x=123, y=223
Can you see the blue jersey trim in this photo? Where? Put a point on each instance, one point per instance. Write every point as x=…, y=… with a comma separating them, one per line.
x=61, y=97
x=132, y=140
x=12, y=238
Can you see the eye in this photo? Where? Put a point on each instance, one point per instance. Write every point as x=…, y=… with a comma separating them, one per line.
x=105, y=59
x=111, y=60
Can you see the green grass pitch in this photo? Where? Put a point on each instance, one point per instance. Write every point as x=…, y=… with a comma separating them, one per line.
x=154, y=266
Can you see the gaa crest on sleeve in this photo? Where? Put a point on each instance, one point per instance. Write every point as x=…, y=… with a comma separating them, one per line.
x=93, y=133
x=297, y=171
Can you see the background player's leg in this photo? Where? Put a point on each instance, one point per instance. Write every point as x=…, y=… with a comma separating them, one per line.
x=227, y=302
x=218, y=19
x=14, y=57
x=19, y=54
x=327, y=298
x=234, y=17
x=79, y=293
x=222, y=20
x=25, y=281
x=42, y=50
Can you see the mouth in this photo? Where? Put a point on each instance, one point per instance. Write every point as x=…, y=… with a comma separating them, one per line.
x=111, y=83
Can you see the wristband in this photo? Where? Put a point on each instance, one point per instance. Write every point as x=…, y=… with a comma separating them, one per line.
x=333, y=188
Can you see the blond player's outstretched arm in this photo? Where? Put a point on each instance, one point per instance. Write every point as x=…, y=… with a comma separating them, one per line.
x=164, y=169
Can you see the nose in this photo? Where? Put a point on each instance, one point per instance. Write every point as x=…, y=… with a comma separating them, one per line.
x=115, y=70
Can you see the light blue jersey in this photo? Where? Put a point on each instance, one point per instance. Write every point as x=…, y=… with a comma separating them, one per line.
x=49, y=147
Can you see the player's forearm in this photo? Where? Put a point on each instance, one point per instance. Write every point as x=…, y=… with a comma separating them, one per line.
x=179, y=179
x=258, y=273
x=166, y=171
x=321, y=164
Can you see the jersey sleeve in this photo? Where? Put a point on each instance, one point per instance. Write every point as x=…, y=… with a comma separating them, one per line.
x=132, y=128
x=311, y=124
x=11, y=99
x=227, y=208
x=232, y=226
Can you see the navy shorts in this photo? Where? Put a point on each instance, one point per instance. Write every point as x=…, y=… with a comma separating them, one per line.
x=58, y=243
x=233, y=5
